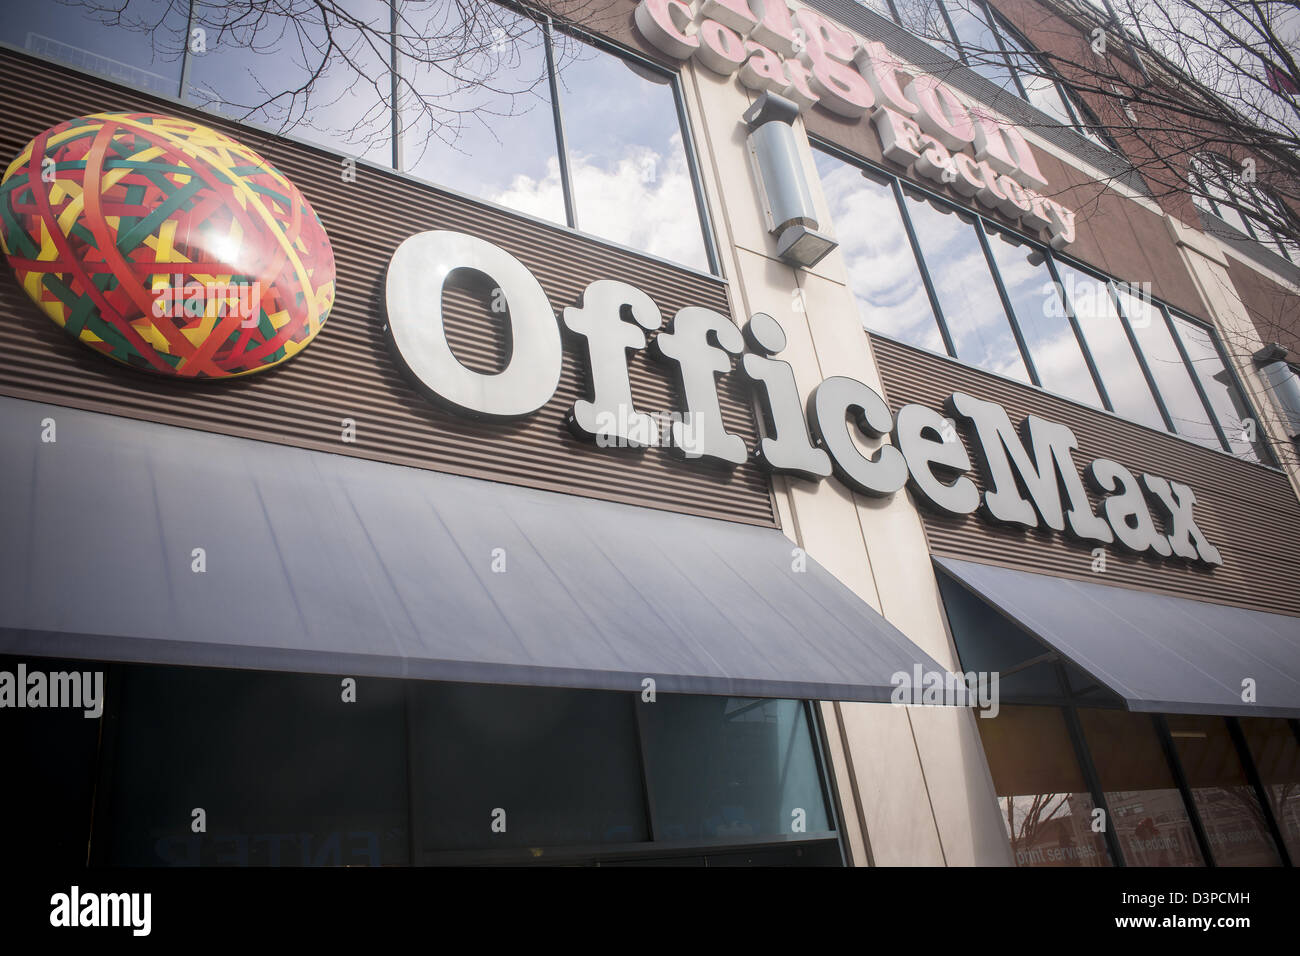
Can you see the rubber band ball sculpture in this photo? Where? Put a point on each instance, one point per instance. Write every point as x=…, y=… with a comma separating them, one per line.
x=166, y=245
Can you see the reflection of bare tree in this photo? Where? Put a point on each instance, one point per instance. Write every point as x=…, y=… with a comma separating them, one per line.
x=1040, y=812
x=1168, y=81
x=432, y=63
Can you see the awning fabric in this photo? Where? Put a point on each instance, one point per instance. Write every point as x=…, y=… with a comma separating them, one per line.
x=1158, y=652
x=332, y=564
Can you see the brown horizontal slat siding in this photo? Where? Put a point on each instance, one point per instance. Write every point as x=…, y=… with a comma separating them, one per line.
x=1249, y=513
x=348, y=371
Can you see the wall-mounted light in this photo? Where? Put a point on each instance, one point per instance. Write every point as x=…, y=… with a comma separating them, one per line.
x=787, y=201
x=1282, y=382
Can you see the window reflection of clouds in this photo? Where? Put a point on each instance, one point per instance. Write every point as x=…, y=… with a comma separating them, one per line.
x=497, y=140
x=631, y=179
x=881, y=266
x=1222, y=392
x=1167, y=368
x=1046, y=331
x=964, y=286
x=1111, y=352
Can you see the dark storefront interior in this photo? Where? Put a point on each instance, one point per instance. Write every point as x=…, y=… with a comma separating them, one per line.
x=411, y=772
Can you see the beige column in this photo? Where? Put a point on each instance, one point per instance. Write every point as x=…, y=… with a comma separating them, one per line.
x=913, y=781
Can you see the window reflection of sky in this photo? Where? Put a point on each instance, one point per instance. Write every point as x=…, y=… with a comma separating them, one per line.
x=343, y=107
x=1167, y=368
x=632, y=183
x=1047, y=332
x=487, y=129
x=1218, y=385
x=882, y=269
x=125, y=53
x=964, y=286
x=1118, y=366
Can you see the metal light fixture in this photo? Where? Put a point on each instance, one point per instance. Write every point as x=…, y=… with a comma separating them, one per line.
x=787, y=201
x=1282, y=382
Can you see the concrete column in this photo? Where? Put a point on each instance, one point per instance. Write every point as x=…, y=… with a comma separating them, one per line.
x=912, y=780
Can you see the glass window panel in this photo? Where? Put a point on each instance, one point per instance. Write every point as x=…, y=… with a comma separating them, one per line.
x=1093, y=136
x=924, y=18
x=126, y=48
x=983, y=55
x=486, y=126
x=1214, y=180
x=1044, y=325
x=1225, y=801
x=253, y=66
x=1230, y=214
x=627, y=159
x=1227, y=401
x=964, y=286
x=1046, y=807
x=1276, y=754
x=287, y=776
x=727, y=767
x=880, y=6
x=1111, y=350
x=1043, y=92
x=562, y=764
x=1146, y=808
x=882, y=268
x=1169, y=371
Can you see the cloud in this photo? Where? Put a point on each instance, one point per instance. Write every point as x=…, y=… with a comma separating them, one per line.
x=639, y=198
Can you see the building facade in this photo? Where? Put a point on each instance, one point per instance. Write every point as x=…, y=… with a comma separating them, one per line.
x=772, y=441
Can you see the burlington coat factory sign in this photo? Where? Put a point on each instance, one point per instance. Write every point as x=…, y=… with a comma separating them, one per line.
x=922, y=122
x=1030, y=479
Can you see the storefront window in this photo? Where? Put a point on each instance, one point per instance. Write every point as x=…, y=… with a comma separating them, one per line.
x=1044, y=326
x=295, y=770
x=627, y=160
x=283, y=74
x=496, y=140
x=523, y=766
x=1232, y=817
x=283, y=772
x=1112, y=353
x=1169, y=371
x=1220, y=389
x=968, y=297
x=139, y=44
x=1046, y=807
x=727, y=767
x=1146, y=807
x=1274, y=749
x=877, y=255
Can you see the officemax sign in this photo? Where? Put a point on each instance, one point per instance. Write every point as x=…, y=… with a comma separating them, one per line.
x=922, y=122
x=1030, y=476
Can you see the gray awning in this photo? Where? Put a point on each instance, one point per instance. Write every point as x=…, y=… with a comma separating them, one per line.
x=326, y=563
x=1157, y=652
